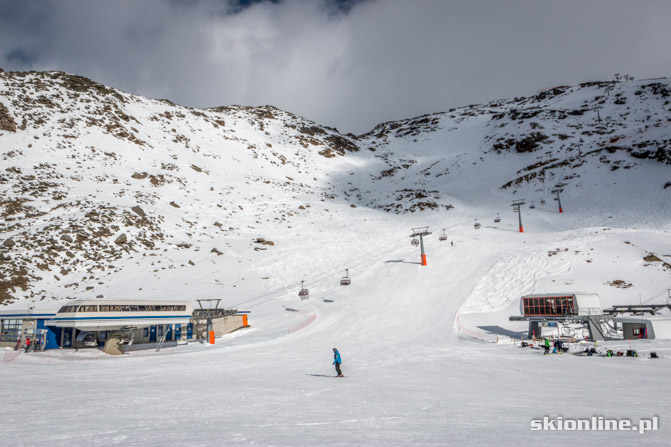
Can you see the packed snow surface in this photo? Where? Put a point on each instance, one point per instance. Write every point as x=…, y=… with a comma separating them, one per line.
x=413, y=376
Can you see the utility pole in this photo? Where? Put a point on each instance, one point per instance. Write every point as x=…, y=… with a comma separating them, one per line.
x=557, y=191
x=517, y=207
x=421, y=232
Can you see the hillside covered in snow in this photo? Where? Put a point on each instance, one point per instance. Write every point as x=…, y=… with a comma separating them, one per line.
x=99, y=185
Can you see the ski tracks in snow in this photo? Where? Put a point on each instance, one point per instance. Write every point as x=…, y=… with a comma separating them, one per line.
x=515, y=274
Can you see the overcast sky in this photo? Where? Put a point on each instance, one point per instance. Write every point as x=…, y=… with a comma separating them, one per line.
x=349, y=64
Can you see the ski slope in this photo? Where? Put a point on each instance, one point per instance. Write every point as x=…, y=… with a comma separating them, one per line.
x=413, y=374
x=429, y=355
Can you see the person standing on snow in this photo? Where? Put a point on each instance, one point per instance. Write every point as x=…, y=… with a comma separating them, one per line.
x=337, y=361
x=547, y=346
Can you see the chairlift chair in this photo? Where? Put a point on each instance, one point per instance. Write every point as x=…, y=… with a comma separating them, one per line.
x=497, y=219
x=477, y=224
x=542, y=201
x=125, y=336
x=415, y=242
x=532, y=206
x=90, y=340
x=345, y=280
x=304, y=294
x=443, y=237
x=87, y=339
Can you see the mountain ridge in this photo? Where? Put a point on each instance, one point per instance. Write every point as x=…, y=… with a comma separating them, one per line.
x=93, y=176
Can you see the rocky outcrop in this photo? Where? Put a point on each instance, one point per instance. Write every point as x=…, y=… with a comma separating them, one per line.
x=7, y=123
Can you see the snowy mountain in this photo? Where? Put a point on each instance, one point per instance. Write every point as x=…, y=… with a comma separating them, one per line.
x=107, y=194
x=93, y=177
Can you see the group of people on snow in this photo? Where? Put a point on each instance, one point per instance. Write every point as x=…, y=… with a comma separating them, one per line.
x=558, y=346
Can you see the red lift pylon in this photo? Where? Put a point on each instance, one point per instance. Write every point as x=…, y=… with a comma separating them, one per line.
x=421, y=232
x=557, y=191
x=517, y=207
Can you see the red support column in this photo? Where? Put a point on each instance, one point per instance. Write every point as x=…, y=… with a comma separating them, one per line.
x=421, y=232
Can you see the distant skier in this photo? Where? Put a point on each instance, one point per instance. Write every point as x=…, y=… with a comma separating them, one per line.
x=452, y=242
x=337, y=361
x=547, y=346
x=27, y=344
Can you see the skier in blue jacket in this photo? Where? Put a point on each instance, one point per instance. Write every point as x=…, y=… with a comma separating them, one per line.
x=337, y=361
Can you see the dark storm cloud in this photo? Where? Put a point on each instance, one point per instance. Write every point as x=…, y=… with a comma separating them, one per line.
x=345, y=63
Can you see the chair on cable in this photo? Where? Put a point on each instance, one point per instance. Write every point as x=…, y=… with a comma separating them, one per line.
x=304, y=293
x=497, y=219
x=345, y=280
x=477, y=224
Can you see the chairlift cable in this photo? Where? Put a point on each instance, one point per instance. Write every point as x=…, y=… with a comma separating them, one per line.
x=326, y=274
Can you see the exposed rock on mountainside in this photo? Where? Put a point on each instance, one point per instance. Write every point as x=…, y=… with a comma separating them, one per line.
x=6, y=121
x=92, y=176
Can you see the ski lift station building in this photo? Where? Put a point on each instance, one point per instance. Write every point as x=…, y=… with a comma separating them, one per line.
x=90, y=323
x=648, y=327
x=560, y=305
x=568, y=307
x=586, y=308
x=17, y=325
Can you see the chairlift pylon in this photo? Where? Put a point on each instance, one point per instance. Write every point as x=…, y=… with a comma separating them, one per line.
x=304, y=294
x=345, y=280
x=497, y=219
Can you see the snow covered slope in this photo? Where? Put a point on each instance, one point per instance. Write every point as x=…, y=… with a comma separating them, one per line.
x=113, y=195
x=93, y=176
